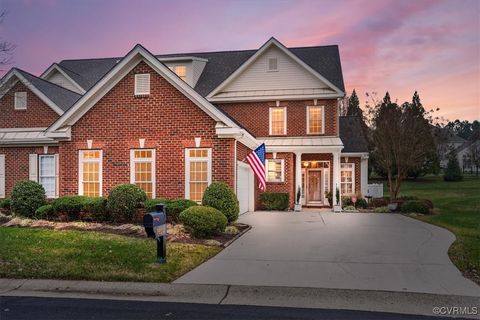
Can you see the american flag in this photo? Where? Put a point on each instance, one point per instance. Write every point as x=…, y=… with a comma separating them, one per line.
x=256, y=160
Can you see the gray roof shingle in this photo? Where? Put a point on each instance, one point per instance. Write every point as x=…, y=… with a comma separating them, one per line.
x=351, y=134
x=323, y=59
x=62, y=97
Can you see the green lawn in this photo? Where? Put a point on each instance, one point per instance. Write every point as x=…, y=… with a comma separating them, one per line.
x=458, y=205
x=39, y=253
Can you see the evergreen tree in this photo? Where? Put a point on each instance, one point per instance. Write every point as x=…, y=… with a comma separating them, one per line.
x=453, y=172
x=354, y=106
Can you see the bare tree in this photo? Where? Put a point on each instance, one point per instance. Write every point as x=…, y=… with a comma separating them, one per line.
x=402, y=139
x=6, y=47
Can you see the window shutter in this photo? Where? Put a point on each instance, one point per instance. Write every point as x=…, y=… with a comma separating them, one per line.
x=33, y=167
x=2, y=176
x=142, y=84
x=57, y=182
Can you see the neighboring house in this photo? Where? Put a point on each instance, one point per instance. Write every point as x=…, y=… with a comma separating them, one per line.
x=468, y=155
x=172, y=124
x=446, y=141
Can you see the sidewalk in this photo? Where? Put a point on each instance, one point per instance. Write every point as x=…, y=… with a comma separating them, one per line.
x=363, y=300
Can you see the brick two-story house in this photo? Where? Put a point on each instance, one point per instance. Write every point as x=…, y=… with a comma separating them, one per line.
x=174, y=123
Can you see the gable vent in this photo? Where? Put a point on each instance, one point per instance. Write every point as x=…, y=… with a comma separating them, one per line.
x=272, y=64
x=142, y=84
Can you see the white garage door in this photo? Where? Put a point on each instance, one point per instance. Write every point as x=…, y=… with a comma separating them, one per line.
x=245, y=191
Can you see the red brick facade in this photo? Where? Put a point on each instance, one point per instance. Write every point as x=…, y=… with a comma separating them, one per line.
x=166, y=119
x=17, y=163
x=37, y=114
x=254, y=116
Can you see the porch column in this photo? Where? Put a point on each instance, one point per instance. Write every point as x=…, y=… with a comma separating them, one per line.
x=336, y=176
x=364, y=175
x=298, y=173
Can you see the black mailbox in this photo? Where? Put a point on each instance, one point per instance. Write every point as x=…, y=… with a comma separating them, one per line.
x=155, y=224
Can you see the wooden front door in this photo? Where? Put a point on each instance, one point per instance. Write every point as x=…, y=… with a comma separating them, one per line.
x=314, y=186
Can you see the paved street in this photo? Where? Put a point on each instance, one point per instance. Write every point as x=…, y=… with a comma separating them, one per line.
x=347, y=251
x=27, y=308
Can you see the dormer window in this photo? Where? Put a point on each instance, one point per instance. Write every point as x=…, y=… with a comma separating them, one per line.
x=272, y=64
x=142, y=84
x=180, y=71
x=20, y=102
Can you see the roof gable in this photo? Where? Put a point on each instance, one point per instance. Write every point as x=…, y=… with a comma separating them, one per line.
x=297, y=77
x=105, y=84
x=57, y=98
x=57, y=75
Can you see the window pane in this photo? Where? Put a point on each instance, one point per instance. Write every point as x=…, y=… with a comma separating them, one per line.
x=274, y=170
x=277, y=120
x=315, y=119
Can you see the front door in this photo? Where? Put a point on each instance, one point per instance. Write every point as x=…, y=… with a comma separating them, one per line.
x=314, y=193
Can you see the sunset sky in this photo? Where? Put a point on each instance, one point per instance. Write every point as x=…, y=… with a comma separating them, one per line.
x=431, y=46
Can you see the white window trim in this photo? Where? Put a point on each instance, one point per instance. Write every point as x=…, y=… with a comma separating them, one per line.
x=284, y=120
x=151, y=160
x=352, y=169
x=2, y=176
x=16, y=100
x=187, y=167
x=81, y=160
x=323, y=119
x=282, y=168
x=55, y=174
x=145, y=93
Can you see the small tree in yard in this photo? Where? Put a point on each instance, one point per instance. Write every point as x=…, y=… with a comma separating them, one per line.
x=453, y=172
x=402, y=139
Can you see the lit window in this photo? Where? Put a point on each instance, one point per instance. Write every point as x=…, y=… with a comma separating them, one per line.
x=347, y=178
x=47, y=174
x=180, y=71
x=90, y=173
x=142, y=170
x=278, y=121
x=20, y=102
x=315, y=120
x=142, y=84
x=198, y=172
x=275, y=170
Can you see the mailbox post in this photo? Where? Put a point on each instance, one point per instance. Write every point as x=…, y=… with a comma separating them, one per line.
x=155, y=224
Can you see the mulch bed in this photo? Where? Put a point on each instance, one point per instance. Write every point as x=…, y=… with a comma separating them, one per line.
x=175, y=232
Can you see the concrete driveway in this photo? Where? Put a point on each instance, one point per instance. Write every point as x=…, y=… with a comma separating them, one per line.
x=347, y=251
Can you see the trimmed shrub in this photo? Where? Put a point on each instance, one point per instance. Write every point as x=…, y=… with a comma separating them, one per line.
x=71, y=206
x=275, y=200
x=95, y=208
x=427, y=202
x=378, y=202
x=27, y=196
x=203, y=221
x=415, y=206
x=381, y=210
x=218, y=195
x=5, y=205
x=123, y=202
x=173, y=207
x=360, y=204
x=349, y=208
x=44, y=212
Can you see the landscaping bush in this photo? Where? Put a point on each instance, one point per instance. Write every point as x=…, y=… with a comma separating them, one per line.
x=360, y=204
x=5, y=205
x=173, y=207
x=27, y=196
x=427, y=202
x=381, y=210
x=203, y=221
x=218, y=195
x=415, y=206
x=349, y=208
x=44, y=212
x=405, y=198
x=123, y=202
x=95, y=209
x=71, y=206
x=453, y=172
x=378, y=202
x=275, y=200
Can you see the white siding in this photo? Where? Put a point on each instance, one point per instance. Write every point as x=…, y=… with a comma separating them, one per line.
x=59, y=79
x=290, y=75
x=197, y=67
